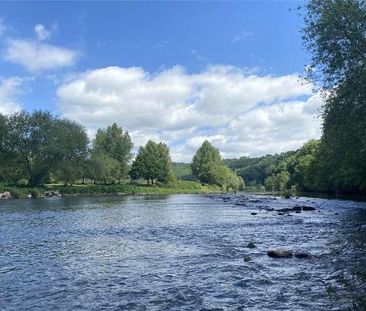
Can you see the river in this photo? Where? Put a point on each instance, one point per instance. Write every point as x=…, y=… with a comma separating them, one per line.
x=181, y=252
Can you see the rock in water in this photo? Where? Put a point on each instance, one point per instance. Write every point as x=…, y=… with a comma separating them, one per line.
x=302, y=255
x=279, y=253
x=247, y=258
x=5, y=195
x=253, y=213
x=308, y=208
x=251, y=245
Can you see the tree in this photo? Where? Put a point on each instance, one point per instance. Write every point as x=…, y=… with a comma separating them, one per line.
x=115, y=144
x=205, y=158
x=103, y=168
x=39, y=141
x=278, y=181
x=208, y=167
x=153, y=162
x=335, y=35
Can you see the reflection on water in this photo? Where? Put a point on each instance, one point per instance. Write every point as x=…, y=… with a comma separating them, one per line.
x=180, y=252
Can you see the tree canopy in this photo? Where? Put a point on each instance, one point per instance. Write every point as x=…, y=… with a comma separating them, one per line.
x=34, y=144
x=335, y=36
x=110, y=145
x=207, y=166
x=153, y=162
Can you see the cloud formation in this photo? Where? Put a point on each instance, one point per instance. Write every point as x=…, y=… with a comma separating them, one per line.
x=242, y=114
x=41, y=32
x=37, y=56
x=9, y=90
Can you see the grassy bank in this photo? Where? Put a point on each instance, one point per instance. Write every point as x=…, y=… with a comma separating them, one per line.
x=119, y=189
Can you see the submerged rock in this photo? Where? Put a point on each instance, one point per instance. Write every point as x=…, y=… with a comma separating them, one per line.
x=253, y=213
x=308, y=208
x=251, y=245
x=247, y=258
x=49, y=194
x=279, y=253
x=302, y=255
x=297, y=209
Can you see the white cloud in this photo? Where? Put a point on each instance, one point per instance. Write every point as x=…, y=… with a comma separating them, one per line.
x=241, y=113
x=37, y=56
x=10, y=88
x=42, y=33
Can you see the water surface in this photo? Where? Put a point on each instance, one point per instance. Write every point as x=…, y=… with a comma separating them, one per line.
x=180, y=252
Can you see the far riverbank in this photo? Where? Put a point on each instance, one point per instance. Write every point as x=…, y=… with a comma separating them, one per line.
x=50, y=190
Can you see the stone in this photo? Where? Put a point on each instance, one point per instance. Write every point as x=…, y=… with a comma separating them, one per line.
x=251, y=245
x=253, y=213
x=29, y=196
x=308, y=208
x=247, y=258
x=5, y=195
x=297, y=209
x=279, y=253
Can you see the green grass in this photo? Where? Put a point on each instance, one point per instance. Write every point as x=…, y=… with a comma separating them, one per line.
x=119, y=189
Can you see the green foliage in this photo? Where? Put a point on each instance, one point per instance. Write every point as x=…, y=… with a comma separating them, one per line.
x=113, y=144
x=33, y=145
x=133, y=189
x=335, y=35
x=203, y=162
x=153, y=163
x=207, y=166
x=103, y=168
x=182, y=170
x=278, y=182
x=280, y=171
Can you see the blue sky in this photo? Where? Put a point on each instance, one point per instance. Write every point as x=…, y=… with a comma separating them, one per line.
x=133, y=62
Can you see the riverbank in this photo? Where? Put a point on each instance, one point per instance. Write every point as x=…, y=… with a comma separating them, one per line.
x=102, y=190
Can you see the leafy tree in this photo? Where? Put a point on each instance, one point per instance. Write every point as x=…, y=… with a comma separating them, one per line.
x=208, y=167
x=153, y=162
x=335, y=35
x=205, y=158
x=70, y=171
x=39, y=141
x=115, y=144
x=278, y=181
x=103, y=168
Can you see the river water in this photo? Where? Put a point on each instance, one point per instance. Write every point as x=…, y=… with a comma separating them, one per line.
x=181, y=252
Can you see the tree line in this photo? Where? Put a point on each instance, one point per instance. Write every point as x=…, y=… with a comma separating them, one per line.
x=38, y=148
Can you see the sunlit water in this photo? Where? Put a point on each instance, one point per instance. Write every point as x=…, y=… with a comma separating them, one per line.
x=180, y=252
